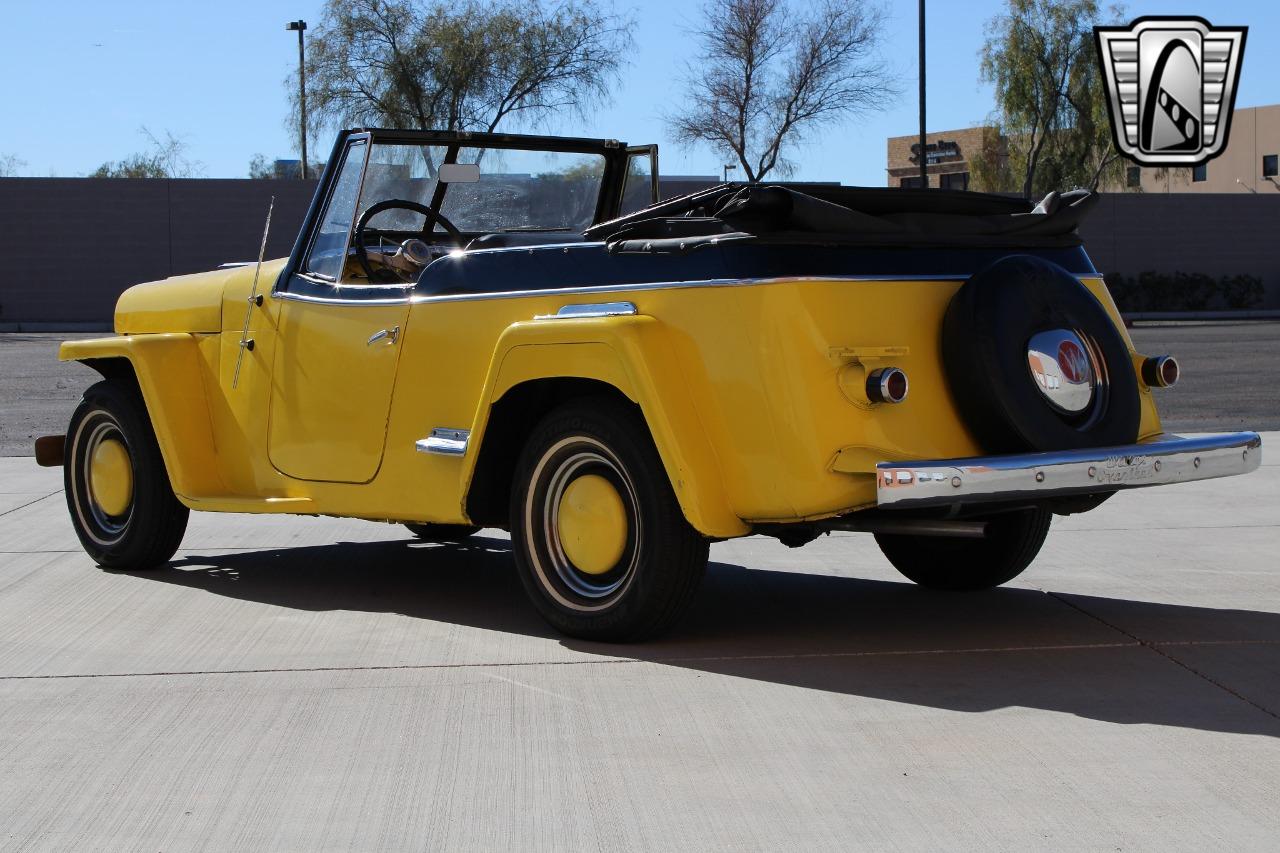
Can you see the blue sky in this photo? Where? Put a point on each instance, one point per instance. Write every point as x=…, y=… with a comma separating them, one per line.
x=78, y=80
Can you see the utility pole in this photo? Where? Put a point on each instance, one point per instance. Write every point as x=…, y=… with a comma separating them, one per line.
x=300, y=26
x=924, y=159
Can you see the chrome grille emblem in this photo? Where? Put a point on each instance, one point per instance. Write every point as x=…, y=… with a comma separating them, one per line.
x=1063, y=370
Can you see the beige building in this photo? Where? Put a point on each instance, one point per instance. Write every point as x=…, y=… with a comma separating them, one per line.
x=1249, y=163
x=947, y=157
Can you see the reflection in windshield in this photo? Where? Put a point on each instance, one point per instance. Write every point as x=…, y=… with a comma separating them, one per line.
x=517, y=190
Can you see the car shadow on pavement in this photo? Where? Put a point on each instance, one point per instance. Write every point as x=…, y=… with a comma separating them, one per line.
x=1161, y=664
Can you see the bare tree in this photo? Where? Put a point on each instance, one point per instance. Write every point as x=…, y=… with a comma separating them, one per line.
x=261, y=169
x=10, y=165
x=470, y=65
x=166, y=158
x=767, y=74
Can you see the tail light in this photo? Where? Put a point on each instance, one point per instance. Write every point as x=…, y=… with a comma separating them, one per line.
x=1160, y=371
x=887, y=385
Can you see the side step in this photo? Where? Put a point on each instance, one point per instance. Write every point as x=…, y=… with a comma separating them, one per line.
x=244, y=503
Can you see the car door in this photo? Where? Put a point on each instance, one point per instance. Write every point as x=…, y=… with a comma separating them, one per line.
x=337, y=350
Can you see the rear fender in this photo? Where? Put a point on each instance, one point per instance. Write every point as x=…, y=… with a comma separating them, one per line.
x=1149, y=425
x=631, y=354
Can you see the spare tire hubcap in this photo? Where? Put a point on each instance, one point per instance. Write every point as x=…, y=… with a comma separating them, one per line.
x=1063, y=369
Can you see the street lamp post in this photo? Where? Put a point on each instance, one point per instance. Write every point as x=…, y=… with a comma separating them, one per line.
x=924, y=159
x=301, y=26
x=727, y=167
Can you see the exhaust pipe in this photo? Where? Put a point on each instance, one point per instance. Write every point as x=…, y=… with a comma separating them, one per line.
x=913, y=527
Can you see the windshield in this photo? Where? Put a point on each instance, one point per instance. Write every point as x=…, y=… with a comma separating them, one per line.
x=516, y=190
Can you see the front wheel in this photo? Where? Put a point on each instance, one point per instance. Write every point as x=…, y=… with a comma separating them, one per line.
x=939, y=562
x=602, y=546
x=122, y=505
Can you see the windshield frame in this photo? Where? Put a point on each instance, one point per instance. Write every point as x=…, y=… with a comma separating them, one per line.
x=564, y=186
x=608, y=201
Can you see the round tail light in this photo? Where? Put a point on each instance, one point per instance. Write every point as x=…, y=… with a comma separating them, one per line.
x=887, y=385
x=1160, y=371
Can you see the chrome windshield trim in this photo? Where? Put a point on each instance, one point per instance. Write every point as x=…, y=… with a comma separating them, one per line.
x=1161, y=460
x=591, y=309
x=329, y=300
x=444, y=442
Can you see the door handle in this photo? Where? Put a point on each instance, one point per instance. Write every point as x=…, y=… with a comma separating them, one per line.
x=389, y=335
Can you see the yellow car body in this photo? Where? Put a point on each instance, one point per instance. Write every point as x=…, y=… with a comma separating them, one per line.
x=753, y=392
x=538, y=344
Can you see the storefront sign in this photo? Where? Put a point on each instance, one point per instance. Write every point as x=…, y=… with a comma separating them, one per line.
x=936, y=152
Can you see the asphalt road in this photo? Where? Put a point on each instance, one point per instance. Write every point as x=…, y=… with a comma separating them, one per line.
x=37, y=392
x=1228, y=380
x=323, y=684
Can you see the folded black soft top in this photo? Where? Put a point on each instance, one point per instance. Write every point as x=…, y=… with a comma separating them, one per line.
x=834, y=215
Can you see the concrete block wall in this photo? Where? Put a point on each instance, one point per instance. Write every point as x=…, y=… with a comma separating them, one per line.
x=1217, y=234
x=71, y=245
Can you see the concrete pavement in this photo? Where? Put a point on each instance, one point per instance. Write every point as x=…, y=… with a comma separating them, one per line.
x=312, y=684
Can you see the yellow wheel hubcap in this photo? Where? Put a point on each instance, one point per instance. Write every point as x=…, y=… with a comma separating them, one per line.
x=592, y=524
x=111, y=477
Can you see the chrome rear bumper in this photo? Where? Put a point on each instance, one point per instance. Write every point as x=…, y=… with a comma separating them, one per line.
x=1157, y=461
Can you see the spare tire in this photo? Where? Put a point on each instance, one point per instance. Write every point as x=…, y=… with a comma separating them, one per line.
x=1034, y=362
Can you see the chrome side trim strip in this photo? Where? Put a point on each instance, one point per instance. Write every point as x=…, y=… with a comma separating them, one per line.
x=672, y=285
x=1161, y=460
x=596, y=309
x=618, y=288
x=444, y=442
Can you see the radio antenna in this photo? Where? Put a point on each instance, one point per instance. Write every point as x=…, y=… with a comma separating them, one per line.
x=246, y=343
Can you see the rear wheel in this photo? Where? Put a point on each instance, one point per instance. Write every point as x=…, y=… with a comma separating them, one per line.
x=442, y=532
x=602, y=546
x=939, y=562
x=117, y=488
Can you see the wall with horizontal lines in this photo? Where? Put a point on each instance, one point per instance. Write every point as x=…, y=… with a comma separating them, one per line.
x=71, y=245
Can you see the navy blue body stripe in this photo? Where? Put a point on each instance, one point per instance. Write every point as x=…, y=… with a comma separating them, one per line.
x=592, y=265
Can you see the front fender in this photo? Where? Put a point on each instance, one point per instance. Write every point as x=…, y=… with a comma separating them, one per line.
x=632, y=354
x=168, y=370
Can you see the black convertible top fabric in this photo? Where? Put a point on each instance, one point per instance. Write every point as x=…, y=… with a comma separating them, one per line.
x=847, y=216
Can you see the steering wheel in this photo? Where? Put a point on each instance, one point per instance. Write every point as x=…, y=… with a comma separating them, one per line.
x=432, y=216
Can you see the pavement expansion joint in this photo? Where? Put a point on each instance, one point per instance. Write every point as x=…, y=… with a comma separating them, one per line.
x=689, y=658
x=32, y=502
x=1159, y=648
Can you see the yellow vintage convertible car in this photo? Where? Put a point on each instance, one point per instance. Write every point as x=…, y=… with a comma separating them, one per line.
x=480, y=330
